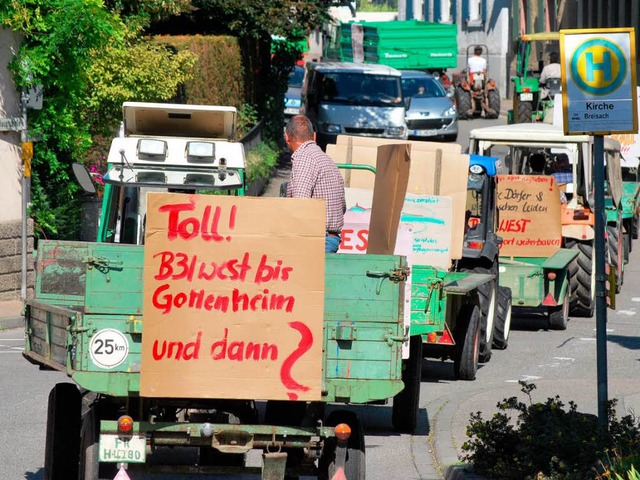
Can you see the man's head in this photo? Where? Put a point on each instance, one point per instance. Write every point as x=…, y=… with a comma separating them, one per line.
x=553, y=57
x=477, y=50
x=298, y=130
x=537, y=162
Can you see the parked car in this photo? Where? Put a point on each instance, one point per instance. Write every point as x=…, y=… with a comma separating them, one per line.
x=431, y=113
x=292, y=97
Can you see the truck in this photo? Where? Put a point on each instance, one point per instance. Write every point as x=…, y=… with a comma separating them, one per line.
x=92, y=310
x=401, y=44
x=569, y=159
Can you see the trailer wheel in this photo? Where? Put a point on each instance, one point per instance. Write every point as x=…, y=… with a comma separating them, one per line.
x=406, y=404
x=355, y=465
x=463, y=101
x=559, y=316
x=626, y=246
x=502, y=327
x=634, y=228
x=524, y=113
x=90, y=468
x=583, y=286
x=62, y=445
x=494, y=103
x=488, y=299
x=465, y=364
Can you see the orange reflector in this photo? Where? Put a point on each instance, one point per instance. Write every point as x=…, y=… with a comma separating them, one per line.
x=432, y=337
x=551, y=275
x=549, y=301
x=526, y=89
x=342, y=431
x=446, y=338
x=125, y=424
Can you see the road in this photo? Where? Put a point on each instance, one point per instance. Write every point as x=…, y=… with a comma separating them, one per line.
x=558, y=362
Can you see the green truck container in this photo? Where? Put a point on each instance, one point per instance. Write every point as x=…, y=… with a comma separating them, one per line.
x=401, y=44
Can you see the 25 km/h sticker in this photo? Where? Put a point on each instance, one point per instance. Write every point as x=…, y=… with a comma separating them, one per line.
x=108, y=348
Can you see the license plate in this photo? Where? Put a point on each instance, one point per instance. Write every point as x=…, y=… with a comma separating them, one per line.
x=526, y=97
x=291, y=111
x=425, y=133
x=112, y=448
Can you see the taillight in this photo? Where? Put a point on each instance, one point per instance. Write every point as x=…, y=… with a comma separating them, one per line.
x=551, y=275
x=432, y=337
x=125, y=424
x=475, y=245
x=342, y=431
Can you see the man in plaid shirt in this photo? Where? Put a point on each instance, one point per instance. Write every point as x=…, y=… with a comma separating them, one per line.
x=315, y=175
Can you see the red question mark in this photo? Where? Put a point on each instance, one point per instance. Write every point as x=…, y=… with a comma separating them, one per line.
x=304, y=345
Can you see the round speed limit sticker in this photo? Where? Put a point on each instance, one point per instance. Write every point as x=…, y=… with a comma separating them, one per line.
x=108, y=348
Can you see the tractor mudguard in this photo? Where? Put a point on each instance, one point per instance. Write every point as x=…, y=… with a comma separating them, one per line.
x=578, y=231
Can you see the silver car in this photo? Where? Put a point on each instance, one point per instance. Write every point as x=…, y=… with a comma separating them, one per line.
x=292, y=97
x=431, y=113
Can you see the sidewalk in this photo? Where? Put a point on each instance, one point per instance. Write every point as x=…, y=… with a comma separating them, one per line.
x=11, y=314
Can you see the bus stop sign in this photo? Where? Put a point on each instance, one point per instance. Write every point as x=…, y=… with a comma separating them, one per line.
x=599, y=81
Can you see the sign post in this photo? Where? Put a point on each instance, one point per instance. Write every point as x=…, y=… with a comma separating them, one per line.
x=599, y=98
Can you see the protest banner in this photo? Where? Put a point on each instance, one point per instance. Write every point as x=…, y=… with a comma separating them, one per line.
x=233, y=297
x=530, y=209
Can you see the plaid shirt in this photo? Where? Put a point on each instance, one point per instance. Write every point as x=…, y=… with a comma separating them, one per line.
x=315, y=175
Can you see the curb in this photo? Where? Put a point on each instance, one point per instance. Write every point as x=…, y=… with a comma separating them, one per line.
x=7, y=323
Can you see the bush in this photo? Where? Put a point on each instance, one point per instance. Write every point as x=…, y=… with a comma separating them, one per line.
x=546, y=440
x=261, y=161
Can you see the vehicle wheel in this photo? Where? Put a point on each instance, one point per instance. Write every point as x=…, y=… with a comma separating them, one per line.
x=626, y=246
x=502, y=327
x=404, y=416
x=559, y=316
x=355, y=465
x=581, y=276
x=524, y=113
x=634, y=228
x=494, y=103
x=463, y=101
x=90, y=468
x=62, y=445
x=465, y=364
x=615, y=252
x=488, y=299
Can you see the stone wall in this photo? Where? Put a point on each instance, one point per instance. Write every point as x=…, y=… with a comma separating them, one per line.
x=11, y=260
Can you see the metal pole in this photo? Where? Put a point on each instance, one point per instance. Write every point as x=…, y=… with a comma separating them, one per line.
x=601, y=294
x=25, y=199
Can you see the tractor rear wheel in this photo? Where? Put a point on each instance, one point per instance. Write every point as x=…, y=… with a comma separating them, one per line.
x=404, y=413
x=583, y=287
x=463, y=101
x=62, y=444
x=559, y=316
x=494, y=103
x=355, y=464
x=524, y=114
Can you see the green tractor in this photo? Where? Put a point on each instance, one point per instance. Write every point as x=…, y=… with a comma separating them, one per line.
x=528, y=102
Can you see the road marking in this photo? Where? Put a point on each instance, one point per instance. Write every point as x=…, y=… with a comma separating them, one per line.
x=635, y=299
x=588, y=339
x=628, y=313
x=525, y=378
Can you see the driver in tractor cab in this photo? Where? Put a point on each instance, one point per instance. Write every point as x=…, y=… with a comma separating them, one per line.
x=476, y=65
x=551, y=70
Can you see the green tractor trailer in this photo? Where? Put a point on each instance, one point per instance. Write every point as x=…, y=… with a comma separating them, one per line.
x=401, y=44
x=87, y=319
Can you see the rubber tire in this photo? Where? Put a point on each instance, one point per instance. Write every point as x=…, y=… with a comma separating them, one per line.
x=406, y=404
x=450, y=138
x=559, y=316
x=634, y=228
x=488, y=297
x=614, y=243
x=502, y=327
x=62, y=445
x=494, y=103
x=355, y=465
x=524, y=113
x=90, y=468
x=467, y=334
x=463, y=102
x=582, y=301
x=626, y=246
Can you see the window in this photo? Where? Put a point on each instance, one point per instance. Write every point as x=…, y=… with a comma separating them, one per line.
x=474, y=12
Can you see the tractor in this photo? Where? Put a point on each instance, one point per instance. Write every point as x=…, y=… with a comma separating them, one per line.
x=475, y=93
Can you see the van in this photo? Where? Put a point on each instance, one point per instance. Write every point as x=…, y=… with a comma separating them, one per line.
x=344, y=98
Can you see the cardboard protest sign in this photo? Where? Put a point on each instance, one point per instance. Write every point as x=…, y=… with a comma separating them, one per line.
x=530, y=209
x=436, y=169
x=233, y=297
